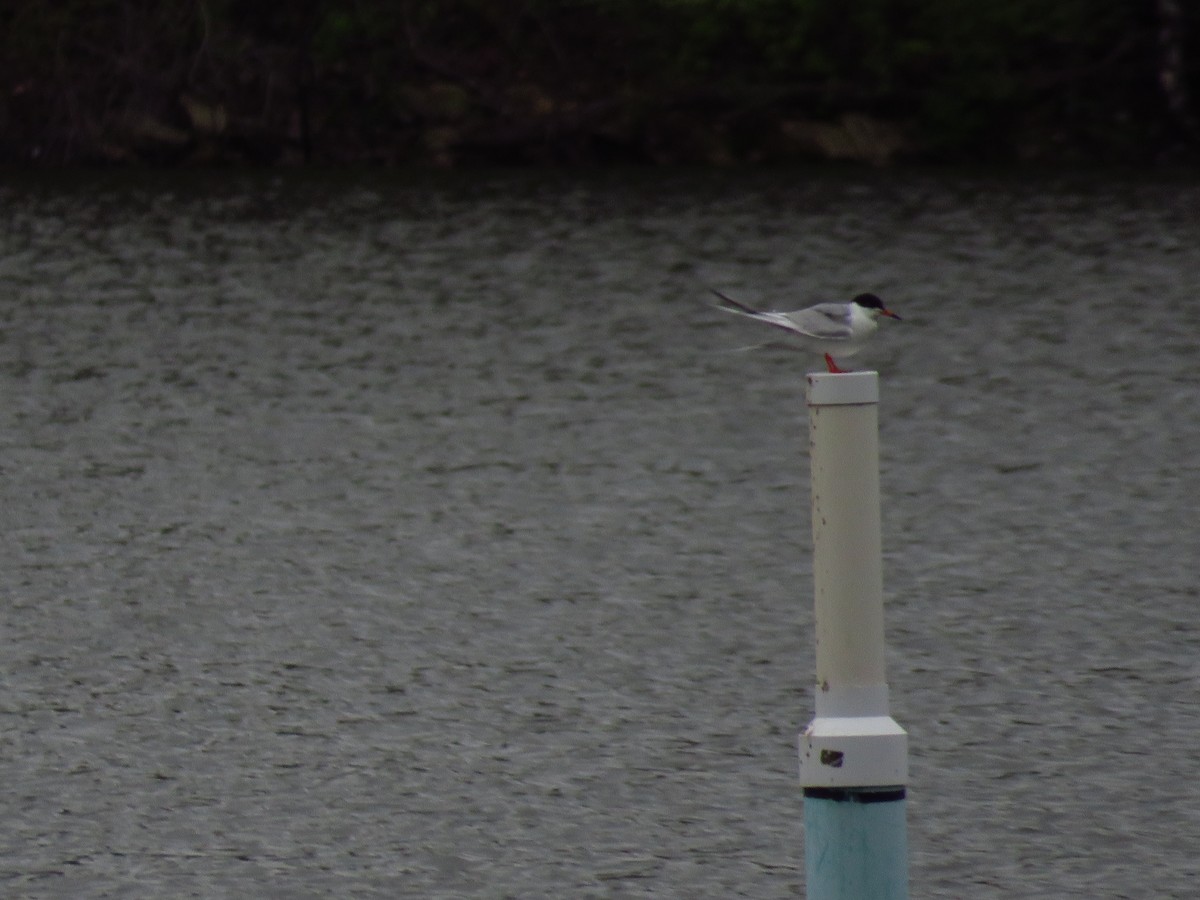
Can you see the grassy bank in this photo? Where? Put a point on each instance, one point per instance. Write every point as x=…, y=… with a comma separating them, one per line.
x=596, y=81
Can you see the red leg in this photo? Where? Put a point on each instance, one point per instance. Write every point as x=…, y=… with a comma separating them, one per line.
x=833, y=367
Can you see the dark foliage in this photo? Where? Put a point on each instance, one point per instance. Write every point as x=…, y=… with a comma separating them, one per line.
x=723, y=81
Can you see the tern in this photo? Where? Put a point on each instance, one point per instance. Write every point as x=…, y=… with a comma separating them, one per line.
x=839, y=329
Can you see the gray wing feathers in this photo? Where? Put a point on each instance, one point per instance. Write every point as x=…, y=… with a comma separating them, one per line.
x=779, y=320
x=827, y=321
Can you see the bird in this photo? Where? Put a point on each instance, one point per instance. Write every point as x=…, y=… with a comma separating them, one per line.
x=839, y=329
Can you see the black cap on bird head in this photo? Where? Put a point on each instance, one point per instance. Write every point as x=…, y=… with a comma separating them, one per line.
x=870, y=301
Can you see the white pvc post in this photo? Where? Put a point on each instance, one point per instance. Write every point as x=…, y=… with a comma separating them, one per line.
x=854, y=756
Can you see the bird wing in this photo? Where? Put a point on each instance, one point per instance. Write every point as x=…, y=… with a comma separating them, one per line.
x=825, y=321
x=778, y=319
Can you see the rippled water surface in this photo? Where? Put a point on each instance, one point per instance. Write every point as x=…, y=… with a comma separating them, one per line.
x=372, y=537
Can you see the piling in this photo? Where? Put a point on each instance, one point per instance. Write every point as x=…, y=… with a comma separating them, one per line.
x=853, y=756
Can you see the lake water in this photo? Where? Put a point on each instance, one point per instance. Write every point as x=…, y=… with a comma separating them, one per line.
x=371, y=535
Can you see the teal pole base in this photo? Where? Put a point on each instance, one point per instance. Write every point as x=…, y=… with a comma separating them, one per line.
x=855, y=843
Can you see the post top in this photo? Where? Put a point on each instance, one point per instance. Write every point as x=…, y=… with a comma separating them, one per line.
x=842, y=388
x=860, y=751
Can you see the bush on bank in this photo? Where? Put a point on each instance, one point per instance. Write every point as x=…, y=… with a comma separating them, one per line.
x=596, y=81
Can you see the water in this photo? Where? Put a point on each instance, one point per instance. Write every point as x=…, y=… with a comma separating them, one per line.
x=373, y=537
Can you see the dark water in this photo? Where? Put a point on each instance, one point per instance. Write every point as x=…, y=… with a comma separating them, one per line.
x=366, y=537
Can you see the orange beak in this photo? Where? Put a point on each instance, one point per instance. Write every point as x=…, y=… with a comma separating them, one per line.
x=890, y=315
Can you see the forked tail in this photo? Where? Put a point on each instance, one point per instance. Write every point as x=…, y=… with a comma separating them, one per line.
x=730, y=305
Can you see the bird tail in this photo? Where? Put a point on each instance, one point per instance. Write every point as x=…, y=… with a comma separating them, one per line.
x=728, y=304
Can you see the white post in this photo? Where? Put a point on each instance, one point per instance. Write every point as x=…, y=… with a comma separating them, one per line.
x=854, y=756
